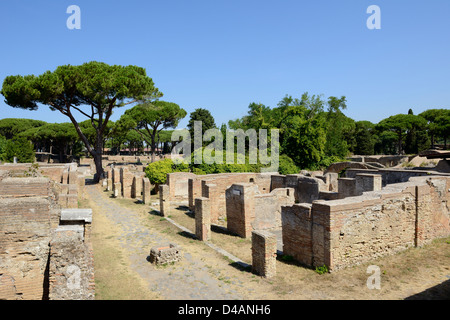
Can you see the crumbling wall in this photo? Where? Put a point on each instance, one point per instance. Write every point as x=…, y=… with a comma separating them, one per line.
x=264, y=252
x=30, y=213
x=306, y=188
x=178, y=183
x=354, y=230
x=27, y=217
x=197, y=186
x=214, y=188
x=390, y=176
x=71, y=267
x=240, y=208
x=247, y=209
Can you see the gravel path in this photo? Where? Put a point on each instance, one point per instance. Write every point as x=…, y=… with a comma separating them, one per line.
x=190, y=279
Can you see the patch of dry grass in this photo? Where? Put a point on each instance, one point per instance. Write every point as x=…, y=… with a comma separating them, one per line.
x=114, y=280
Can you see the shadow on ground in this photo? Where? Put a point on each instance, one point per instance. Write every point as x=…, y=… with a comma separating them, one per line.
x=438, y=292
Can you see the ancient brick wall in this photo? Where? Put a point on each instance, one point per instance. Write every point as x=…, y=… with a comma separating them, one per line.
x=306, y=188
x=354, y=230
x=26, y=221
x=268, y=208
x=390, y=176
x=433, y=205
x=215, y=188
x=248, y=210
x=264, y=252
x=203, y=219
x=178, y=183
x=297, y=232
x=126, y=179
x=240, y=208
x=71, y=261
x=30, y=213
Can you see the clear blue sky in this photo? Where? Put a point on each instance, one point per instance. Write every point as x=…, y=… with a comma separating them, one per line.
x=223, y=55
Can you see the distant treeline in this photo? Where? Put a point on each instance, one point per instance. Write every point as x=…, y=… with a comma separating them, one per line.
x=313, y=133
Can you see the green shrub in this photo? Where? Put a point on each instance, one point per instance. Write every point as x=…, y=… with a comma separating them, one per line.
x=224, y=167
x=321, y=270
x=20, y=148
x=157, y=171
x=287, y=166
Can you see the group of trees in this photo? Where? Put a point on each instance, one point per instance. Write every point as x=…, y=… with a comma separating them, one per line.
x=313, y=132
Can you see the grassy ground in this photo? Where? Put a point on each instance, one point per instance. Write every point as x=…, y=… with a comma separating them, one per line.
x=114, y=280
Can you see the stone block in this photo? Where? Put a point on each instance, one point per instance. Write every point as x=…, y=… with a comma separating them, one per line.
x=203, y=219
x=164, y=202
x=164, y=254
x=146, y=189
x=264, y=251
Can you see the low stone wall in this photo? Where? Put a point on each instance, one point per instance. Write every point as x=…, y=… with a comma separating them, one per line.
x=354, y=230
x=338, y=167
x=390, y=176
x=306, y=188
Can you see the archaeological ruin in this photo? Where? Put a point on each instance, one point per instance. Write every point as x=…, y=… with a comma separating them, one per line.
x=44, y=236
x=347, y=215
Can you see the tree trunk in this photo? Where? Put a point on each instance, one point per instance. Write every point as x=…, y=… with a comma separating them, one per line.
x=98, y=160
x=98, y=167
x=153, y=147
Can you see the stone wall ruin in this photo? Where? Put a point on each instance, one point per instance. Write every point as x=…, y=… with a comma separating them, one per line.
x=35, y=253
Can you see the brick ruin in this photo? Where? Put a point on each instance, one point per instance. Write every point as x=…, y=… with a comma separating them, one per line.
x=45, y=250
x=320, y=218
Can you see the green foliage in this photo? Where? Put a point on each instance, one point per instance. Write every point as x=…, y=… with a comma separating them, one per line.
x=92, y=89
x=321, y=270
x=210, y=166
x=365, y=138
x=339, y=128
x=438, y=124
x=17, y=147
x=326, y=161
x=205, y=117
x=303, y=138
x=149, y=119
x=287, y=258
x=404, y=126
x=287, y=166
x=2, y=146
x=157, y=171
x=10, y=127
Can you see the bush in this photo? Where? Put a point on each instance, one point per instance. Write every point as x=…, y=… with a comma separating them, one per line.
x=287, y=166
x=2, y=146
x=20, y=148
x=157, y=171
x=326, y=161
x=205, y=168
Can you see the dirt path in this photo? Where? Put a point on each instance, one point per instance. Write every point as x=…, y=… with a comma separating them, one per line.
x=125, y=231
x=202, y=274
